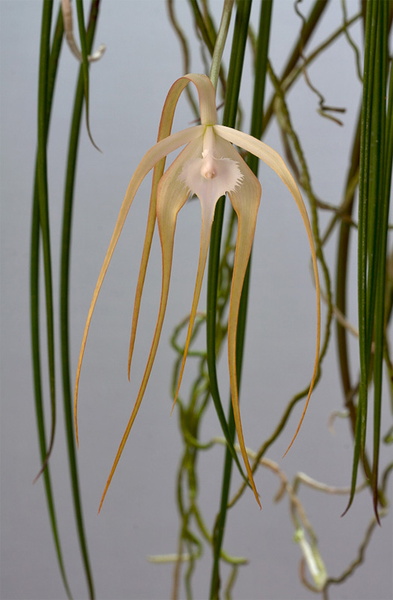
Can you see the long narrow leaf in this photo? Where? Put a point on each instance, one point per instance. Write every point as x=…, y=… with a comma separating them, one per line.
x=384, y=173
x=47, y=77
x=43, y=204
x=64, y=296
x=372, y=234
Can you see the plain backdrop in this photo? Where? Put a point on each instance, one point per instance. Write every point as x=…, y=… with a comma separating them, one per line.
x=139, y=518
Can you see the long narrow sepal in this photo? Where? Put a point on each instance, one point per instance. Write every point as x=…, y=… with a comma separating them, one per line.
x=206, y=94
x=207, y=209
x=172, y=195
x=274, y=161
x=245, y=202
x=164, y=130
x=150, y=226
x=154, y=155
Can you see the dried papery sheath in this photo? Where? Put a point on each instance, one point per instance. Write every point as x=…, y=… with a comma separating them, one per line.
x=69, y=34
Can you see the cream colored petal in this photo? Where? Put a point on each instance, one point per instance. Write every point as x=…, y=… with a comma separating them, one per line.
x=207, y=215
x=208, y=115
x=155, y=154
x=209, y=175
x=172, y=195
x=164, y=130
x=150, y=226
x=274, y=160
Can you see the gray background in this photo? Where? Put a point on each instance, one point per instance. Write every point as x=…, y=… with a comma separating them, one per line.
x=139, y=517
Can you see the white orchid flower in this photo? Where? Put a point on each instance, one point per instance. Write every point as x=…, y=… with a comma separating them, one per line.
x=209, y=167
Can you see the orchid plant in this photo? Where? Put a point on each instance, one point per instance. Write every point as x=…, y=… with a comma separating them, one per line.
x=212, y=161
x=208, y=167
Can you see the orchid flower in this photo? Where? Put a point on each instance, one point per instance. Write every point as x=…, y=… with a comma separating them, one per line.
x=209, y=167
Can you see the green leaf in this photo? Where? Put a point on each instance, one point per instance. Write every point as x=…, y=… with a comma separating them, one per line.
x=374, y=193
x=65, y=291
x=40, y=233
